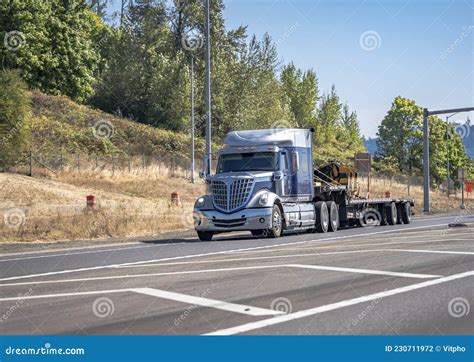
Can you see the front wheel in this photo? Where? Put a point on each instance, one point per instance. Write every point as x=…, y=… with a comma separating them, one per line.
x=205, y=235
x=277, y=223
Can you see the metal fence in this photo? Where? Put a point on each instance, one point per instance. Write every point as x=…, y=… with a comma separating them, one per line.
x=36, y=163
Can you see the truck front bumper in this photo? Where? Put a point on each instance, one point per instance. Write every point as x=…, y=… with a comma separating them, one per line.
x=246, y=219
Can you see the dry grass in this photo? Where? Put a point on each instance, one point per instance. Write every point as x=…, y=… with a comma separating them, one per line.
x=53, y=207
x=439, y=199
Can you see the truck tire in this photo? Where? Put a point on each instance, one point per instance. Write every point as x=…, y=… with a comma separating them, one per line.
x=333, y=216
x=322, y=217
x=406, y=213
x=277, y=223
x=205, y=235
x=391, y=213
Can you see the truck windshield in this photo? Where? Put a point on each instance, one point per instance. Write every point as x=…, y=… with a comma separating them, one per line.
x=257, y=161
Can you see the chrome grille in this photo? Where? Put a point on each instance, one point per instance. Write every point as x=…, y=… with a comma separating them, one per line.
x=219, y=194
x=228, y=197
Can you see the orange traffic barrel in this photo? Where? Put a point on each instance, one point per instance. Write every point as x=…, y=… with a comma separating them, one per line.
x=91, y=201
x=174, y=198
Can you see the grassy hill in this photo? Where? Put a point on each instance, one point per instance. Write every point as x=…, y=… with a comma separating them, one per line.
x=59, y=122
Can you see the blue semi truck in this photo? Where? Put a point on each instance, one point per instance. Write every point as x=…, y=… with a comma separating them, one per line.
x=265, y=183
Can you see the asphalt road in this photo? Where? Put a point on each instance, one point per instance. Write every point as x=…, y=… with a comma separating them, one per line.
x=404, y=279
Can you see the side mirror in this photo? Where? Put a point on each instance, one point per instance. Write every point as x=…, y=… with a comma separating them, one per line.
x=295, y=162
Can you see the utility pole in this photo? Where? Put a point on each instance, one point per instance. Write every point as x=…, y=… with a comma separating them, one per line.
x=208, y=156
x=448, y=172
x=192, y=117
x=426, y=150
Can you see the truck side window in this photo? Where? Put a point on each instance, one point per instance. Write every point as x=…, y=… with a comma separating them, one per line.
x=283, y=162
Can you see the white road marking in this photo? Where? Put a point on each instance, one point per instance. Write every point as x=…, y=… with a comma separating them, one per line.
x=215, y=253
x=319, y=267
x=433, y=251
x=205, y=302
x=178, y=297
x=364, y=271
x=334, y=306
x=245, y=259
x=128, y=276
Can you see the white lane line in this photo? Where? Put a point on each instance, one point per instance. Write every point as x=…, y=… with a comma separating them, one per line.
x=301, y=266
x=128, y=276
x=433, y=251
x=78, y=253
x=213, y=253
x=178, y=297
x=205, y=302
x=249, y=258
x=363, y=271
x=21, y=297
x=329, y=307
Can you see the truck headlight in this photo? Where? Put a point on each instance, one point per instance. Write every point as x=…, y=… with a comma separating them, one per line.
x=200, y=202
x=263, y=199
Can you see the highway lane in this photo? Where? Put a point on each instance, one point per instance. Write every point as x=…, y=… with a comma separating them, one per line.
x=408, y=279
x=59, y=260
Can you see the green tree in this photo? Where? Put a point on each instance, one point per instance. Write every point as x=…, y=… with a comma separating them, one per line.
x=14, y=110
x=52, y=44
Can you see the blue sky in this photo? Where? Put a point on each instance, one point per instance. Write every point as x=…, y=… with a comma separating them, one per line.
x=373, y=50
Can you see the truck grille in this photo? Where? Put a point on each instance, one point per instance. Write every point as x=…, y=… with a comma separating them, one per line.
x=228, y=197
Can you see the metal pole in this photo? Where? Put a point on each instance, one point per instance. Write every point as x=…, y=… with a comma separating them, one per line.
x=426, y=162
x=192, y=117
x=447, y=155
x=463, y=205
x=208, y=156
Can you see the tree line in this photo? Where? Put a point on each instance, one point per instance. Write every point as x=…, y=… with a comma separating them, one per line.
x=138, y=66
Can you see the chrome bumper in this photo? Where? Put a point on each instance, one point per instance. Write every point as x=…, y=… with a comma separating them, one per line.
x=246, y=219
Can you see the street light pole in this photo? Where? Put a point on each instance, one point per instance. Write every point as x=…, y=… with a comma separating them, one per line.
x=192, y=117
x=448, y=172
x=208, y=157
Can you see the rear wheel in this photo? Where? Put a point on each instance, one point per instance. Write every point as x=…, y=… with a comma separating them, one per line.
x=333, y=216
x=391, y=213
x=406, y=213
x=322, y=217
x=277, y=223
x=205, y=235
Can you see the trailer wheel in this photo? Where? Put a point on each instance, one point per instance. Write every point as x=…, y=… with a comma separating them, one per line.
x=322, y=217
x=277, y=223
x=333, y=215
x=406, y=213
x=205, y=235
x=391, y=212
